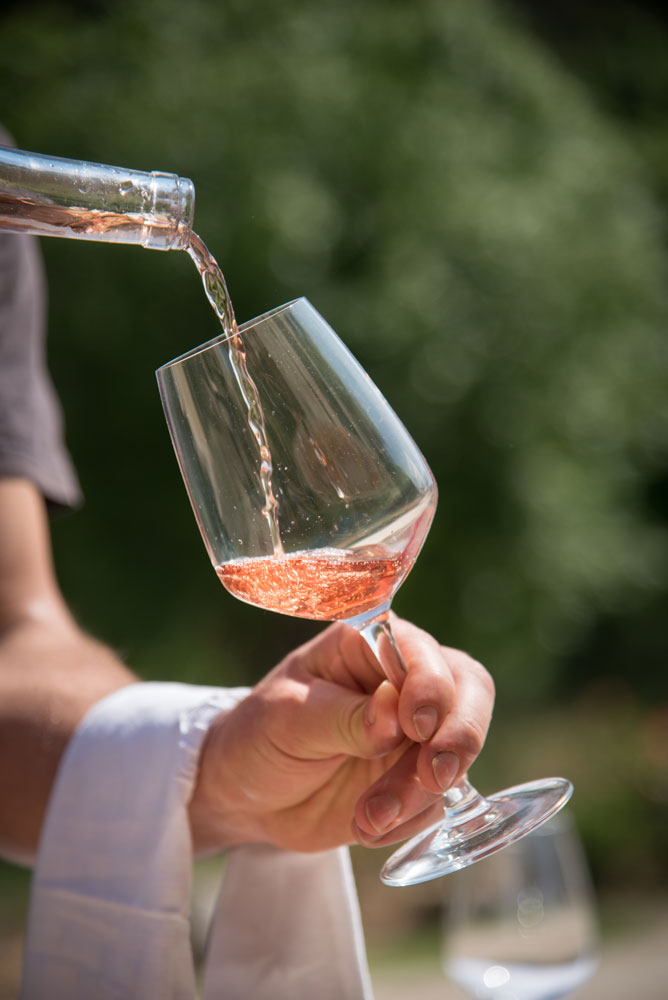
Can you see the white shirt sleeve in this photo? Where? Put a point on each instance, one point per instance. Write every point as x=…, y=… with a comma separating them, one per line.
x=109, y=912
x=287, y=927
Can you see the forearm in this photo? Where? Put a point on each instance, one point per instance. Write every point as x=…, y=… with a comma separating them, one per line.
x=50, y=675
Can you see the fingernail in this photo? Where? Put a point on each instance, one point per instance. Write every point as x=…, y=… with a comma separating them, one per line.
x=446, y=767
x=425, y=720
x=382, y=810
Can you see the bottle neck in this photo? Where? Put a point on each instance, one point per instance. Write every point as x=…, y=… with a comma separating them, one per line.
x=51, y=196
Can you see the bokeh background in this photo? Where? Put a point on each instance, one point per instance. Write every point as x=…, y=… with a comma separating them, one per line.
x=475, y=194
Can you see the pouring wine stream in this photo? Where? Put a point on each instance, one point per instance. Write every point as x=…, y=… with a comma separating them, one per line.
x=215, y=289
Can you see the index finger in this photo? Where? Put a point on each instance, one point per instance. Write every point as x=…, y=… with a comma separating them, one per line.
x=429, y=688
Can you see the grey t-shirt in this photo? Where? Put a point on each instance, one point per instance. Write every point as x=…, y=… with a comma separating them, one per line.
x=31, y=426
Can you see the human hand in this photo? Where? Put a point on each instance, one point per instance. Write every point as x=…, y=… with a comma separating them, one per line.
x=325, y=752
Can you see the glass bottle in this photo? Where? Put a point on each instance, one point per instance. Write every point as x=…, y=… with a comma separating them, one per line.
x=51, y=196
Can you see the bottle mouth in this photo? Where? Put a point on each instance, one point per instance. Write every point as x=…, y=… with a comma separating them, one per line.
x=171, y=212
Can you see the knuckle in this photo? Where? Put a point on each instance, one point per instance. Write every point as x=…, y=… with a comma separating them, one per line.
x=284, y=698
x=484, y=678
x=467, y=664
x=469, y=738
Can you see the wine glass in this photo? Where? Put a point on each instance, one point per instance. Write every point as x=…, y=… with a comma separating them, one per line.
x=522, y=925
x=313, y=500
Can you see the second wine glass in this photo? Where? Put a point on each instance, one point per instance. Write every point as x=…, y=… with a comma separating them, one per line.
x=522, y=925
x=314, y=501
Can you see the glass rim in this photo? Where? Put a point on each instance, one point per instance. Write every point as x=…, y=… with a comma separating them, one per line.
x=223, y=337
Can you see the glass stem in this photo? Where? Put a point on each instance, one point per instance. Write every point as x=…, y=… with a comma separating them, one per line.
x=378, y=633
x=462, y=801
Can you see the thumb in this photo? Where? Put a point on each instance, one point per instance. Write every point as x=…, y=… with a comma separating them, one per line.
x=335, y=720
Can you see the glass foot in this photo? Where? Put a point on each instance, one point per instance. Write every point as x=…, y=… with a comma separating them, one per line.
x=470, y=834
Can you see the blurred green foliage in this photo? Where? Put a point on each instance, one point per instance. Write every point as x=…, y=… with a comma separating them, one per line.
x=447, y=185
